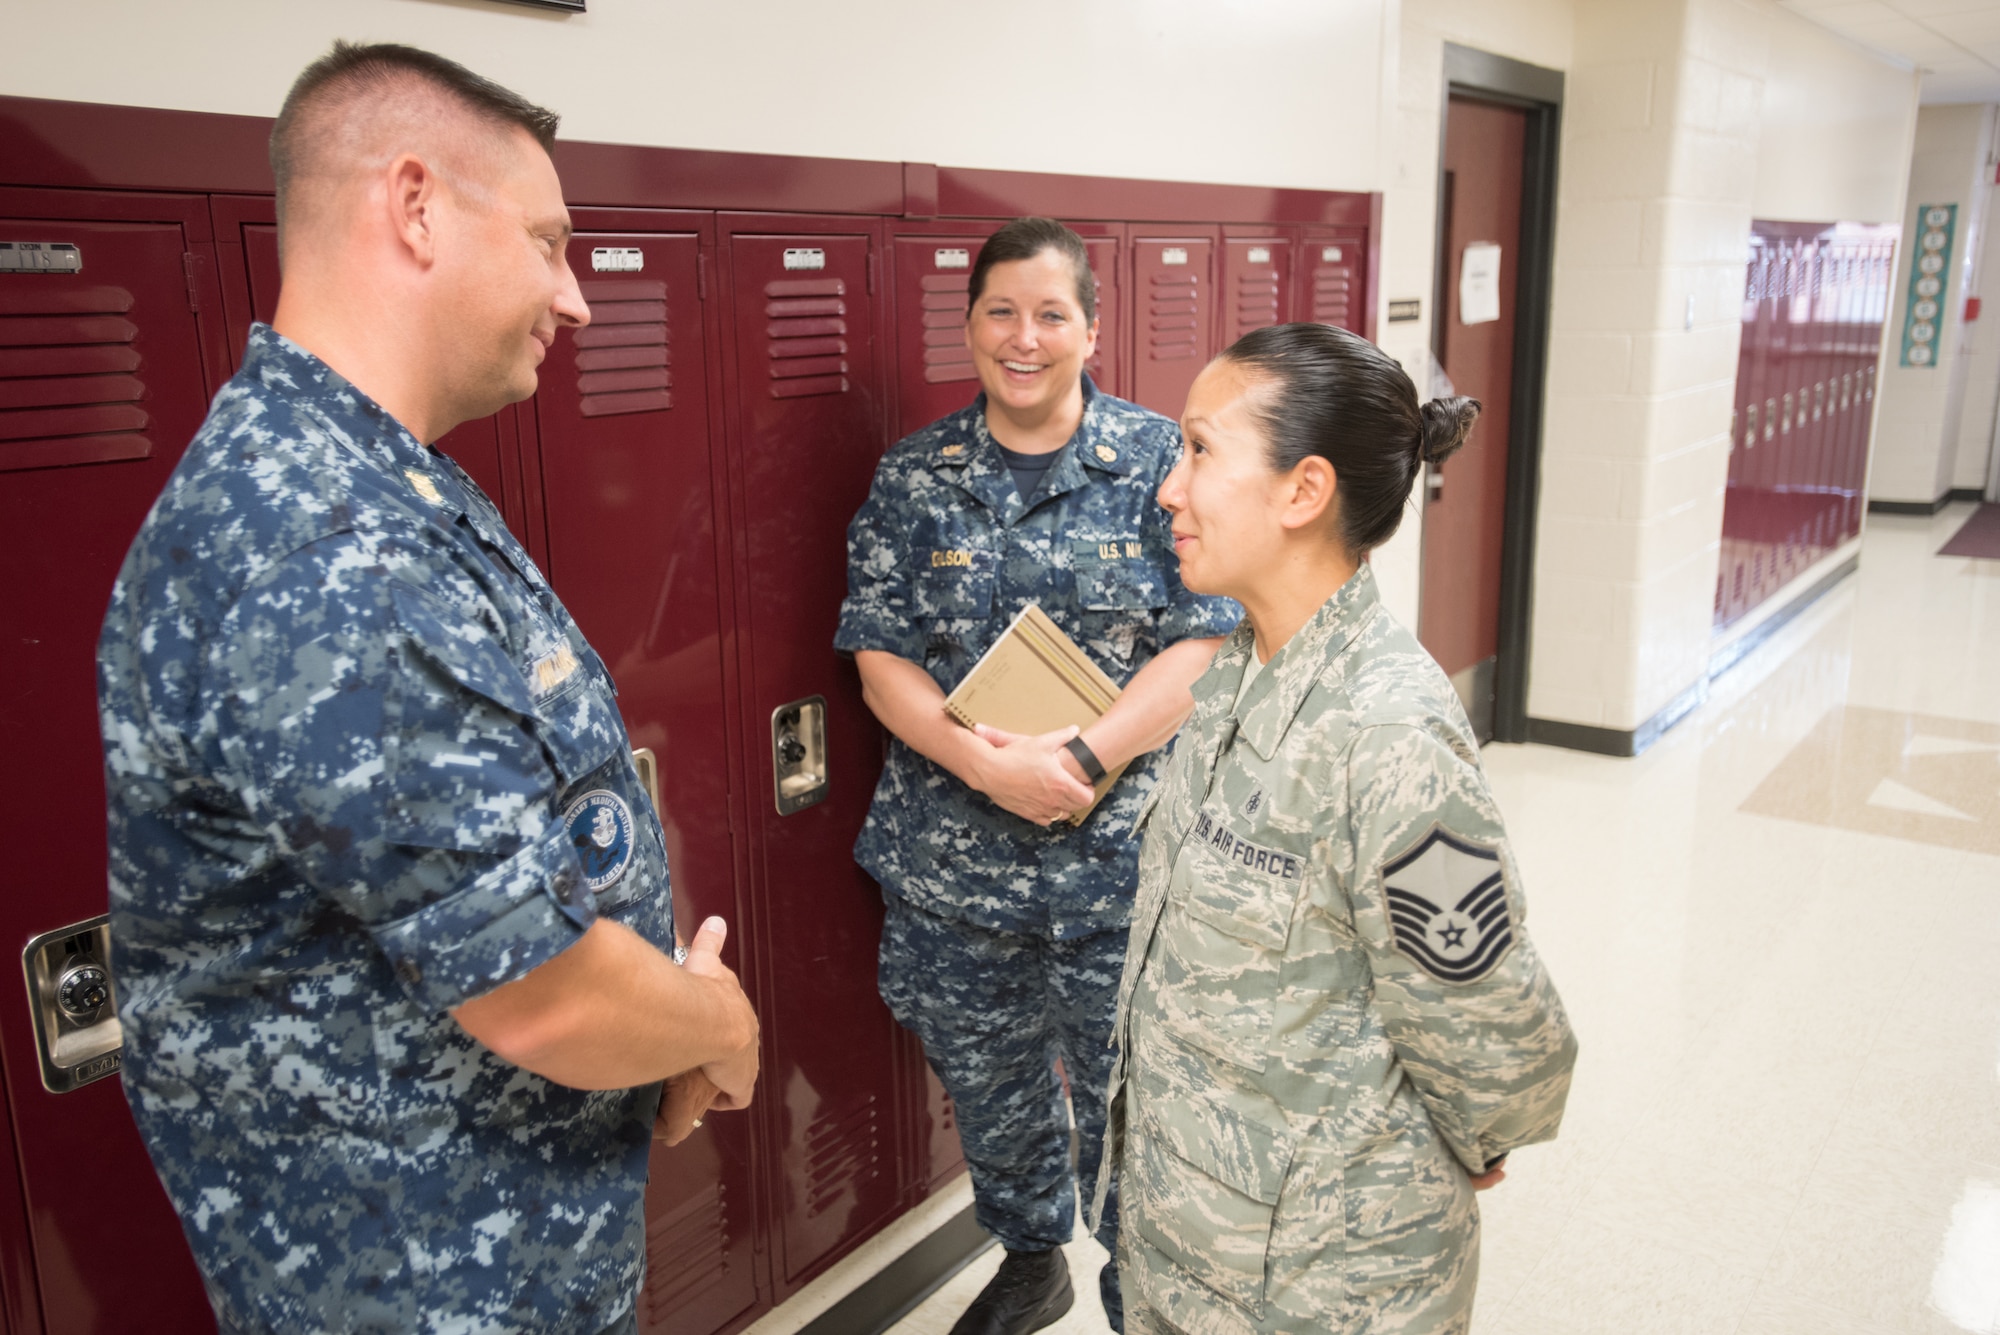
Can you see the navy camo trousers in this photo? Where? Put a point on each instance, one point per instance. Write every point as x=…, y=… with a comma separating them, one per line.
x=994, y=1010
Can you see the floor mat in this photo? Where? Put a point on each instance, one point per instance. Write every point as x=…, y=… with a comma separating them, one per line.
x=1979, y=536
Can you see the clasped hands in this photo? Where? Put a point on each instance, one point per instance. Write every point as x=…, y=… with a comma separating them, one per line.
x=722, y=1086
x=1036, y=778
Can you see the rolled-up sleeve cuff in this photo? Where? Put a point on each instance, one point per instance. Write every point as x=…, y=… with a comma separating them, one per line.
x=512, y=918
x=890, y=633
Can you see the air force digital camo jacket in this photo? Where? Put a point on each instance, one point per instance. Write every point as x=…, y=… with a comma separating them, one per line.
x=1331, y=1013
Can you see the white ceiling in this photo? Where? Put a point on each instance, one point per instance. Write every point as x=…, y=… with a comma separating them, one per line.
x=1956, y=43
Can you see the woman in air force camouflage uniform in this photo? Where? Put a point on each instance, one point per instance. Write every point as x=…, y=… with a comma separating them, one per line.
x=1332, y=1025
x=1006, y=925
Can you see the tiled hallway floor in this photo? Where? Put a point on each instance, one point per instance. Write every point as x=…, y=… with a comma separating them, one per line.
x=1778, y=933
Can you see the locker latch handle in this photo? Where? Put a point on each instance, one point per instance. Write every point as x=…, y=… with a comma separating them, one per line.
x=73, y=1005
x=798, y=754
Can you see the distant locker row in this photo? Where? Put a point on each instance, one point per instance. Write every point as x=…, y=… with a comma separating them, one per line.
x=1814, y=302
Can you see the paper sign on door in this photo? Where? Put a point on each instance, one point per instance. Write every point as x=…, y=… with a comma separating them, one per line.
x=1479, y=283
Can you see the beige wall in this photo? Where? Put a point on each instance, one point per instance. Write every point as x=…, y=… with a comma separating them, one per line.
x=1266, y=92
x=1668, y=154
x=1834, y=123
x=1981, y=353
x=1920, y=411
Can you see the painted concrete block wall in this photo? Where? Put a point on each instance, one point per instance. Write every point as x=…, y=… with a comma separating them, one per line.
x=1835, y=126
x=1665, y=161
x=1659, y=166
x=1981, y=351
x=1276, y=92
x=1920, y=410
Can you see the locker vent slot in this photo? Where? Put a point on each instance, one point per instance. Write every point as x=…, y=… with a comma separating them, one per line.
x=623, y=361
x=1173, y=334
x=945, y=355
x=1332, y=295
x=1256, y=300
x=687, y=1250
x=70, y=392
x=842, y=1153
x=807, y=333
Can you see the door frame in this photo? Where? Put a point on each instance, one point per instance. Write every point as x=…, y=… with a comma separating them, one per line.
x=1538, y=92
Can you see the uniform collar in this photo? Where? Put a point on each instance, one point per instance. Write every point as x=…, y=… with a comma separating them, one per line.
x=1267, y=709
x=966, y=454
x=357, y=421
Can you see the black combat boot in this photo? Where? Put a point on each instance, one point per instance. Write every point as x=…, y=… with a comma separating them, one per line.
x=1030, y=1291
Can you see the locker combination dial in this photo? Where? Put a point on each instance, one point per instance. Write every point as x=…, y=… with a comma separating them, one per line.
x=798, y=754
x=84, y=990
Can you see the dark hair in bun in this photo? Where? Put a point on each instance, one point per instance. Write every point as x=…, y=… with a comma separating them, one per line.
x=1336, y=395
x=1447, y=422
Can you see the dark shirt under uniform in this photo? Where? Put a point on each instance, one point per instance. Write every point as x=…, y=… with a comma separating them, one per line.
x=362, y=768
x=943, y=556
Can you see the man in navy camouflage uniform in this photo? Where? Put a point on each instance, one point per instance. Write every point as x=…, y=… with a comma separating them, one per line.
x=391, y=906
x=1005, y=934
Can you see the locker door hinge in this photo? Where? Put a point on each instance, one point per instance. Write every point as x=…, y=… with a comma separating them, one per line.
x=871, y=271
x=700, y=275
x=189, y=261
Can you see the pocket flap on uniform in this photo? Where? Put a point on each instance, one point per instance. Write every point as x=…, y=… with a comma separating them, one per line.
x=464, y=651
x=956, y=586
x=1231, y=1148
x=1251, y=901
x=1116, y=575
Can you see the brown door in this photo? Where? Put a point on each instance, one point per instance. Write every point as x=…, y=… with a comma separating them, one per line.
x=1465, y=498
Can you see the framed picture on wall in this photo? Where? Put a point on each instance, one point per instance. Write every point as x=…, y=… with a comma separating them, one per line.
x=573, y=6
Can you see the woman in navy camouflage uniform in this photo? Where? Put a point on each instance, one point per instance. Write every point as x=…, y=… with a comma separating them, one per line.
x=1006, y=925
x=1332, y=1024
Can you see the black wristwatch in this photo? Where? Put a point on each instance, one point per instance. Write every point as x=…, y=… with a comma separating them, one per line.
x=1086, y=758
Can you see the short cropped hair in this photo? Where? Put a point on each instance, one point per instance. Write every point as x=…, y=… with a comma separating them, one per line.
x=1025, y=238
x=302, y=136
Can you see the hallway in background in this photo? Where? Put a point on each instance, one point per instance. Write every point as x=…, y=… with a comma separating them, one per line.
x=1778, y=933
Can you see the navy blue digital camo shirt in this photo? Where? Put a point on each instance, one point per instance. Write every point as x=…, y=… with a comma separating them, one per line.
x=940, y=560
x=363, y=767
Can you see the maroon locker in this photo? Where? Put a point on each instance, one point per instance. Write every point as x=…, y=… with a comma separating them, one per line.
x=1814, y=302
x=807, y=424
x=934, y=370
x=1853, y=301
x=1256, y=284
x=1107, y=365
x=1747, y=425
x=248, y=230
x=623, y=430
x=1173, y=316
x=1806, y=486
x=1332, y=282
x=105, y=374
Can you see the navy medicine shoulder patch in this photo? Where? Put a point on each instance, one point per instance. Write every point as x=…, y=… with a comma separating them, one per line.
x=600, y=828
x=1448, y=906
